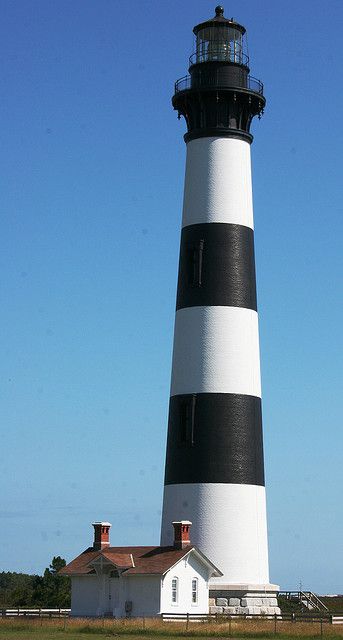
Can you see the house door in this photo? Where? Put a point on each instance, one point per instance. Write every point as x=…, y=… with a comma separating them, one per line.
x=108, y=607
x=113, y=596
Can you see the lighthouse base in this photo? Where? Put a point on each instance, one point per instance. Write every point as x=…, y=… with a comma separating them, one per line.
x=247, y=599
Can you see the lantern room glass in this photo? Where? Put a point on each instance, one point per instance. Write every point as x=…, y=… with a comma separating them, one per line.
x=219, y=43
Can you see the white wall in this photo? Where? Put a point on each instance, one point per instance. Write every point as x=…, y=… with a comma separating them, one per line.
x=185, y=571
x=85, y=592
x=218, y=182
x=144, y=593
x=95, y=595
x=229, y=527
x=216, y=350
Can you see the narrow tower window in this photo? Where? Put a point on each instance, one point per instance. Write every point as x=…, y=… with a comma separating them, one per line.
x=187, y=416
x=175, y=590
x=196, y=259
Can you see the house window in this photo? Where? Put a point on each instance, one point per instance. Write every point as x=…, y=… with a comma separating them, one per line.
x=175, y=590
x=195, y=591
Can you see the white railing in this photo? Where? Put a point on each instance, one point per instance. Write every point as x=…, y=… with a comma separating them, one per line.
x=34, y=613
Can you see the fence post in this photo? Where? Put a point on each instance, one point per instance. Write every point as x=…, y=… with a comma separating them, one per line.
x=187, y=622
x=321, y=627
x=275, y=622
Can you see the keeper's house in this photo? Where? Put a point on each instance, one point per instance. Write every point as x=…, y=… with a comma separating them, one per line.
x=140, y=581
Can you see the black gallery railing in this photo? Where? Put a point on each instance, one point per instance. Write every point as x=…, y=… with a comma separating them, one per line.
x=187, y=82
x=222, y=53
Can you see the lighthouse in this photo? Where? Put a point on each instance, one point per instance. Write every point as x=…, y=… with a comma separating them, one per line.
x=214, y=473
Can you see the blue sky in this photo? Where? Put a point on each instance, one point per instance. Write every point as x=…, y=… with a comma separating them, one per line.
x=92, y=167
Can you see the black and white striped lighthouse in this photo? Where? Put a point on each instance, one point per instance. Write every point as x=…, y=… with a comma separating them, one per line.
x=214, y=472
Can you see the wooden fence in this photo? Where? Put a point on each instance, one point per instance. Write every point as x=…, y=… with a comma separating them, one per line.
x=320, y=618
x=222, y=618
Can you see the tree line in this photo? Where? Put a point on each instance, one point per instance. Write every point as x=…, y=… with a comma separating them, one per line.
x=50, y=591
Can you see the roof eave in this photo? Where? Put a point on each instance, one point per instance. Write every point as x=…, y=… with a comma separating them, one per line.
x=72, y=574
x=216, y=572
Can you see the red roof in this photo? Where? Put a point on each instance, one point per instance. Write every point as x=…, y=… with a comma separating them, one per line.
x=145, y=559
x=133, y=560
x=121, y=560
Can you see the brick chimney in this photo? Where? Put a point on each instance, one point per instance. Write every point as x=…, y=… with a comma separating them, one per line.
x=101, y=535
x=181, y=534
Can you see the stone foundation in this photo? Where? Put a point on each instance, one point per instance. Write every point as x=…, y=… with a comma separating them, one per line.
x=228, y=602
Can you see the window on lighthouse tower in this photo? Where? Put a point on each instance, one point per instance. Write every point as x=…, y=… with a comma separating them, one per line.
x=195, y=263
x=187, y=416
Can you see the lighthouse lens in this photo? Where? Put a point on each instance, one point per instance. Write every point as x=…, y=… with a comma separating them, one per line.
x=219, y=44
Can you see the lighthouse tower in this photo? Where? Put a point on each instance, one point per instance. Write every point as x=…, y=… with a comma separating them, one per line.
x=214, y=472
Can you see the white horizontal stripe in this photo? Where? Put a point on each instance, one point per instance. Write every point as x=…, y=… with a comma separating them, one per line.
x=216, y=350
x=218, y=182
x=228, y=525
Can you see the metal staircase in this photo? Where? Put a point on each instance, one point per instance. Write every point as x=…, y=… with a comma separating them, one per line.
x=306, y=599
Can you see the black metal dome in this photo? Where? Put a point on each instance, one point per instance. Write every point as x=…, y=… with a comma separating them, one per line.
x=219, y=20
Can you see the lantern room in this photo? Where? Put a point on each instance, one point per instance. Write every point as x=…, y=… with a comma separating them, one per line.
x=220, y=40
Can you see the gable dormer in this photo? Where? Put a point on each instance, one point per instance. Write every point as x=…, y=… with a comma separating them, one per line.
x=106, y=563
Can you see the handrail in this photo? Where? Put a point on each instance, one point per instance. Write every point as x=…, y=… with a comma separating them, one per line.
x=221, y=53
x=306, y=598
x=314, y=600
x=185, y=83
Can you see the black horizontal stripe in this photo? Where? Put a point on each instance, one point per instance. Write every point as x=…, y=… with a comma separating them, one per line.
x=215, y=437
x=217, y=266
x=218, y=132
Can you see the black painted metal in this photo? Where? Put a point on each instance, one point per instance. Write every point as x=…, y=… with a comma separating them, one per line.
x=218, y=21
x=225, y=274
x=219, y=98
x=224, y=443
x=216, y=132
x=186, y=83
x=219, y=75
x=221, y=55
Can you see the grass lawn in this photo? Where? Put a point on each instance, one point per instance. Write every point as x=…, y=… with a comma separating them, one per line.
x=75, y=635
x=45, y=634
x=61, y=635
x=71, y=629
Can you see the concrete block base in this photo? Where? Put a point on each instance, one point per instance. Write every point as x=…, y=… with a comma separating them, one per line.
x=244, y=599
